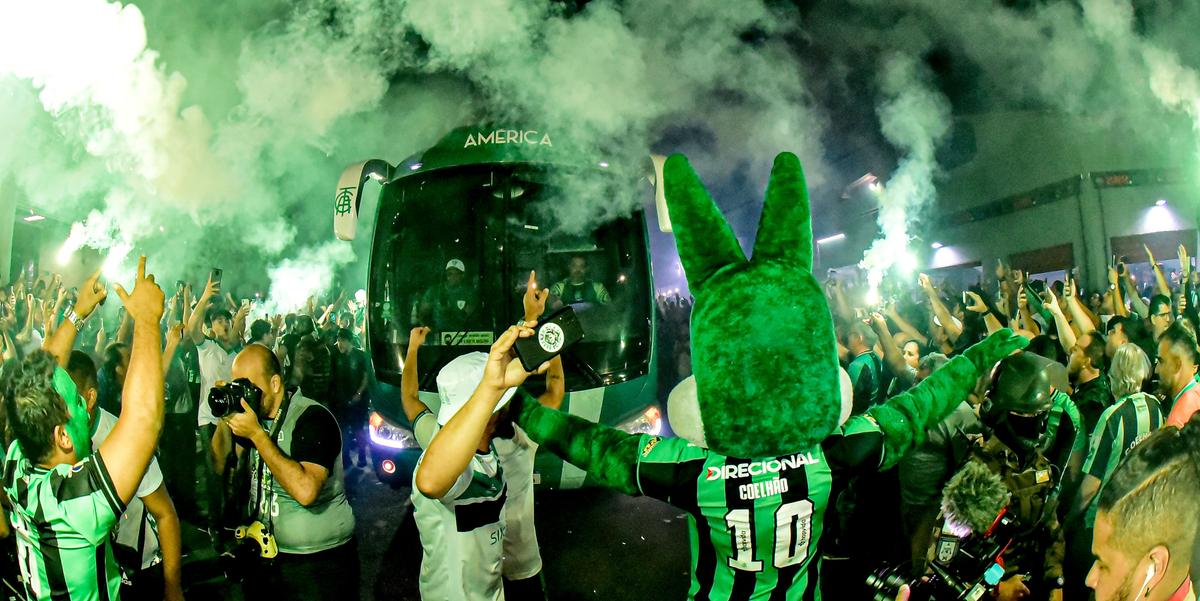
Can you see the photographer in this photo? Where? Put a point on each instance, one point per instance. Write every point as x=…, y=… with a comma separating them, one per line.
x=1146, y=522
x=296, y=486
x=65, y=499
x=1015, y=415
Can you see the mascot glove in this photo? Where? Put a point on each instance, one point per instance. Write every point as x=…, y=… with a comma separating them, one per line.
x=989, y=351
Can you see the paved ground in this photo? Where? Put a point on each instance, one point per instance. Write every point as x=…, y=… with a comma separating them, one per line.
x=595, y=544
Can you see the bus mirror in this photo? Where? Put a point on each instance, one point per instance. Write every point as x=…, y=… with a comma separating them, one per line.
x=660, y=196
x=348, y=196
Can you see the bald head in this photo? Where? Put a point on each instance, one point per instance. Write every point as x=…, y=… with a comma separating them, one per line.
x=261, y=367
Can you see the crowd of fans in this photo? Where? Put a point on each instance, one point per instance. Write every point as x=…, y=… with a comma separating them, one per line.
x=199, y=339
x=1092, y=415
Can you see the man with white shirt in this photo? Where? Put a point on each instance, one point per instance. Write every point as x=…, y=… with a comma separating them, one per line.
x=215, y=353
x=147, y=535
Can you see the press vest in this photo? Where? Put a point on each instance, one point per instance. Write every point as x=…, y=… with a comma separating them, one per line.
x=328, y=522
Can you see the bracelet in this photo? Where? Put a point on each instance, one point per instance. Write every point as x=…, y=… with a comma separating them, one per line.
x=73, y=317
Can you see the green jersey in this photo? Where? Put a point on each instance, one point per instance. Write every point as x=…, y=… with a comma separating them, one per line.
x=753, y=523
x=1120, y=428
x=62, y=517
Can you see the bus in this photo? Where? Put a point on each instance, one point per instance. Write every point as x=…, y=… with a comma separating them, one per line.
x=457, y=230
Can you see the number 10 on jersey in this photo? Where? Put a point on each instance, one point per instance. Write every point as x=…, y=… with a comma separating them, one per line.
x=793, y=531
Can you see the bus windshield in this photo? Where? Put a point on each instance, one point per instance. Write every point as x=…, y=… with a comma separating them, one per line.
x=453, y=250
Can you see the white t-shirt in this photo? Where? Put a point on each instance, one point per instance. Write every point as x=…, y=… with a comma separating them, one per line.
x=216, y=365
x=126, y=530
x=462, y=534
x=522, y=558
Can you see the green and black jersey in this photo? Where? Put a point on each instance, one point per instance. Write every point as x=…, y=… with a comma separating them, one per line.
x=754, y=523
x=62, y=518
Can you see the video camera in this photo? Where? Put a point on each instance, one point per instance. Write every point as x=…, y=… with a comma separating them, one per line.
x=964, y=569
x=227, y=397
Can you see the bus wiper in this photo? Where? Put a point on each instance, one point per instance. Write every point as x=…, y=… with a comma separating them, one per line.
x=459, y=336
x=583, y=366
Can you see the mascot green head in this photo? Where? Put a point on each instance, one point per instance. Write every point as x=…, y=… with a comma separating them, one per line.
x=764, y=353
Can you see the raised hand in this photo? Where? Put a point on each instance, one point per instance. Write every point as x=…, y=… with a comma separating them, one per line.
x=1149, y=255
x=976, y=305
x=212, y=288
x=503, y=371
x=145, y=303
x=416, y=337
x=175, y=334
x=91, y=294
x=535, y=299
x=925, y=283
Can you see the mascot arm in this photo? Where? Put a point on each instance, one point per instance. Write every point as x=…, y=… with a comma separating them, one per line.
x=609, y=456
x=904, y=418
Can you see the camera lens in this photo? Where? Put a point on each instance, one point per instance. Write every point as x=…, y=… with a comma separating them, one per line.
x=219, y=401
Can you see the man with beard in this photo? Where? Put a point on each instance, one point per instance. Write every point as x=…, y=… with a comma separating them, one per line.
x=1177, y=358
x=1085, y=367
x=1146, y=523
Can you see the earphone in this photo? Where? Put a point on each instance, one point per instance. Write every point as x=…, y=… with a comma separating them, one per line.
x=1149, y=576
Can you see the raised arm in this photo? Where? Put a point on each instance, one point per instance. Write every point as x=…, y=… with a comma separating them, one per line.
x=904, y=418
x=534, y=303
x=62, y=341
x=195, y=324
x=1160, y=281
x=1084, y=320
x=892, y=356
x=894, y=315
x=410, y=398
x=127, y=451
x=1066, y=336
x=451, y=450
x=174, y=337
x=953, y=330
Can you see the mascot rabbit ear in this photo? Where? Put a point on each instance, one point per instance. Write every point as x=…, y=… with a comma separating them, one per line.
x=764, y=352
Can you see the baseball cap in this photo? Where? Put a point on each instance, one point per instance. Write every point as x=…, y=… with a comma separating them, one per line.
x=458, y=379
x=456, y=264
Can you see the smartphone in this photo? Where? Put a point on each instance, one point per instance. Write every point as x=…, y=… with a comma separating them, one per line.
x=553, y=336
x=179, y=285
x=215, y=275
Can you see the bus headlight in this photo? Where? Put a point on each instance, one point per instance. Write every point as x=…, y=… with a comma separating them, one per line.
x=647, y=422
x=387, y=434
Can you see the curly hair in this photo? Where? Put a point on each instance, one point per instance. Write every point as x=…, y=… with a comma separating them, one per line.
x=31, y=404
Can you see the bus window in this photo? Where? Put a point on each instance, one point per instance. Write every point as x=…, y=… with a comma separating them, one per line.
x=453, y=249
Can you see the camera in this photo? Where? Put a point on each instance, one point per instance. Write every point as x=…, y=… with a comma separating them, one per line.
x=964, y=569
x=227, y=397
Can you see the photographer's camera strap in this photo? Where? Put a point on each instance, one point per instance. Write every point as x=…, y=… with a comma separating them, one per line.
x=262, y=488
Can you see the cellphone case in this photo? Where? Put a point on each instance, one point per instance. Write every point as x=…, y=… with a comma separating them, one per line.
x=553, y=336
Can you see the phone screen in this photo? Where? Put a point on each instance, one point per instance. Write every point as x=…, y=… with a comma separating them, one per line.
x=215, y=275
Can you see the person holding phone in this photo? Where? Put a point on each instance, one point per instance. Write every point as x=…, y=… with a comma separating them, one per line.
x=441, y=570
x=461, y=470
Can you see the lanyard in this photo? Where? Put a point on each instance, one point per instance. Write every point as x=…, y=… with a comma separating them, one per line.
x=260, y=466
x=1190, y=385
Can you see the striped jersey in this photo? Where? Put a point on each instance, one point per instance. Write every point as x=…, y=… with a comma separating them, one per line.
x=62, y=517
x=1122, y=425
x=1063, y=438
x=462, y=534
x=753, y=523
